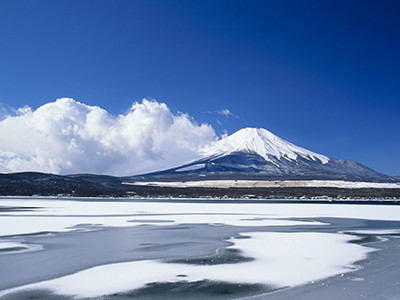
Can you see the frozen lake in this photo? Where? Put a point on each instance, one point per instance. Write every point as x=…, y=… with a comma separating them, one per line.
x=132, y=249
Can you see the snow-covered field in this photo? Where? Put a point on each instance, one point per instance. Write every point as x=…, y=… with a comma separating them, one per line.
x=276, y=258
x=269, y=184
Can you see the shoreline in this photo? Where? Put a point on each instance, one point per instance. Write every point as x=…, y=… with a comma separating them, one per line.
x=226, y=184
x=243, y=200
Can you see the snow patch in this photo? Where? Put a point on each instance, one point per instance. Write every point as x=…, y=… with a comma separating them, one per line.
x=10, y=245
x=191, y=168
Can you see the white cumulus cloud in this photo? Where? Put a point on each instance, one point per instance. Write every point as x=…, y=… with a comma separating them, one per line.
x=67, y=136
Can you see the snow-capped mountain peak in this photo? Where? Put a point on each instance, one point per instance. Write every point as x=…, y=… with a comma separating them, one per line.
x=262, y=142
x=257, y=154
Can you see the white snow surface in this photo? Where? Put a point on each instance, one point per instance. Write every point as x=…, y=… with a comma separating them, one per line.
x=263, y=143
x=9, y=245
x=13, y=246
x=64, y=216
x=281, y=260
x=67, y=215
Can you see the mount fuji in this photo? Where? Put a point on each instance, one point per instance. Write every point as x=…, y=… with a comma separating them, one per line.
x=250, y=158
x=256, y=153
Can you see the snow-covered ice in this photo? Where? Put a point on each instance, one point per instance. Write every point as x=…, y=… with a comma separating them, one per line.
x=281, y=260
x=58, y=216
x=94, y=207
x=16, y=225
x=62, y=216
x=10, y=245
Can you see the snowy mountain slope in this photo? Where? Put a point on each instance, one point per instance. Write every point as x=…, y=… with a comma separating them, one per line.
x=255, y=153
x=262, y=142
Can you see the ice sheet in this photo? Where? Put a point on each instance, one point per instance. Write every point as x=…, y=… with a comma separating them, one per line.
x=17, y=225
x=63, y=215
x=281, y=260
x=55, y=207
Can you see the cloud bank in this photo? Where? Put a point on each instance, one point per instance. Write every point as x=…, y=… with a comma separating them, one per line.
x=67, y=136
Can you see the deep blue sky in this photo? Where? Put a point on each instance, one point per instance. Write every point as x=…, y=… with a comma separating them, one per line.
x=324, y=75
